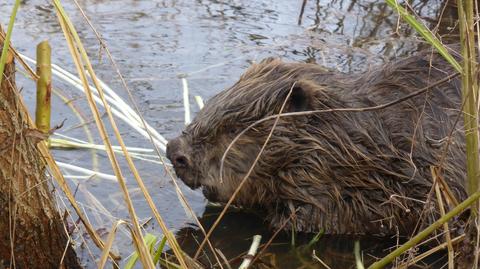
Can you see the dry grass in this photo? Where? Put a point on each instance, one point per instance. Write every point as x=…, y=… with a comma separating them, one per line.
x=85, y=71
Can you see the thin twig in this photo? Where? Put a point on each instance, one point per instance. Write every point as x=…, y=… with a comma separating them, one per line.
x=441, y=207
x=314, y=256
x=428, y=253
x=244, y=180
x=247, y=260
x=302, y=10
x=269, y=242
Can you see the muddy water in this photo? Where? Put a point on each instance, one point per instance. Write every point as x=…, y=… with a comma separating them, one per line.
x=211, y=42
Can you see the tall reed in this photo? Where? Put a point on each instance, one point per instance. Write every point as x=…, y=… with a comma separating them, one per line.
x=6, y=43
x=469, y=76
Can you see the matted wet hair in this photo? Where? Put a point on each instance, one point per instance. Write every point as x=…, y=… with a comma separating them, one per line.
x=344, y=172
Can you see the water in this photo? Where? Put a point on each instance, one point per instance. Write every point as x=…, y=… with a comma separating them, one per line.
x=211, y=42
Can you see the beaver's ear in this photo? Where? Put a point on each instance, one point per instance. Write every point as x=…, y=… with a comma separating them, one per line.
x=301, y=98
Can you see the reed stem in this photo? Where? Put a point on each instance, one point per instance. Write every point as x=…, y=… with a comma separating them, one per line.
x=44, y=87
x=425, y=33
x=469, y=92
x=6, y=43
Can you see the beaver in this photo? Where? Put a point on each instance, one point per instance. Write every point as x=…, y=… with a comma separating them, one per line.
x=363, y=172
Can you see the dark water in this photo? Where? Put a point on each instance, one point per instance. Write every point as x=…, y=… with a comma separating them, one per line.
x=212, y=42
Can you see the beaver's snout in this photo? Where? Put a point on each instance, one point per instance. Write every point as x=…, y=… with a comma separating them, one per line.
x=177, y=153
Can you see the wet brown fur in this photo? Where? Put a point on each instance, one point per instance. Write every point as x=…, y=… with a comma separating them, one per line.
x=345, y=172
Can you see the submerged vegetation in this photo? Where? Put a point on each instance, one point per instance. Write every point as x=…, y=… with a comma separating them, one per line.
x=165, y=250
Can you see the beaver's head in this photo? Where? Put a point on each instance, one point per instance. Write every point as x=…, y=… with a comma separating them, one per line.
x=197, y=154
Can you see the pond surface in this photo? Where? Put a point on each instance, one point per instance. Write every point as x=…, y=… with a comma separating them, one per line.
x=211, y=42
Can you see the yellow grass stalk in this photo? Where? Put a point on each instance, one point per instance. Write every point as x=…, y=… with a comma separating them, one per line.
x=469, y=91
x=137, y=235
x=181, y=197
x=78, y=52
x=57, y=174
x=448, y=238
x=428, y=253
x=109, y=243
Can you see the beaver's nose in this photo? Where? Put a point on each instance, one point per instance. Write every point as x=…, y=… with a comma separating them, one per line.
x=176, y=153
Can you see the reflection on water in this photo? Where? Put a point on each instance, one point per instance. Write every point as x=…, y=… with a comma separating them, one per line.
x=233, y=238
x=212, y=42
